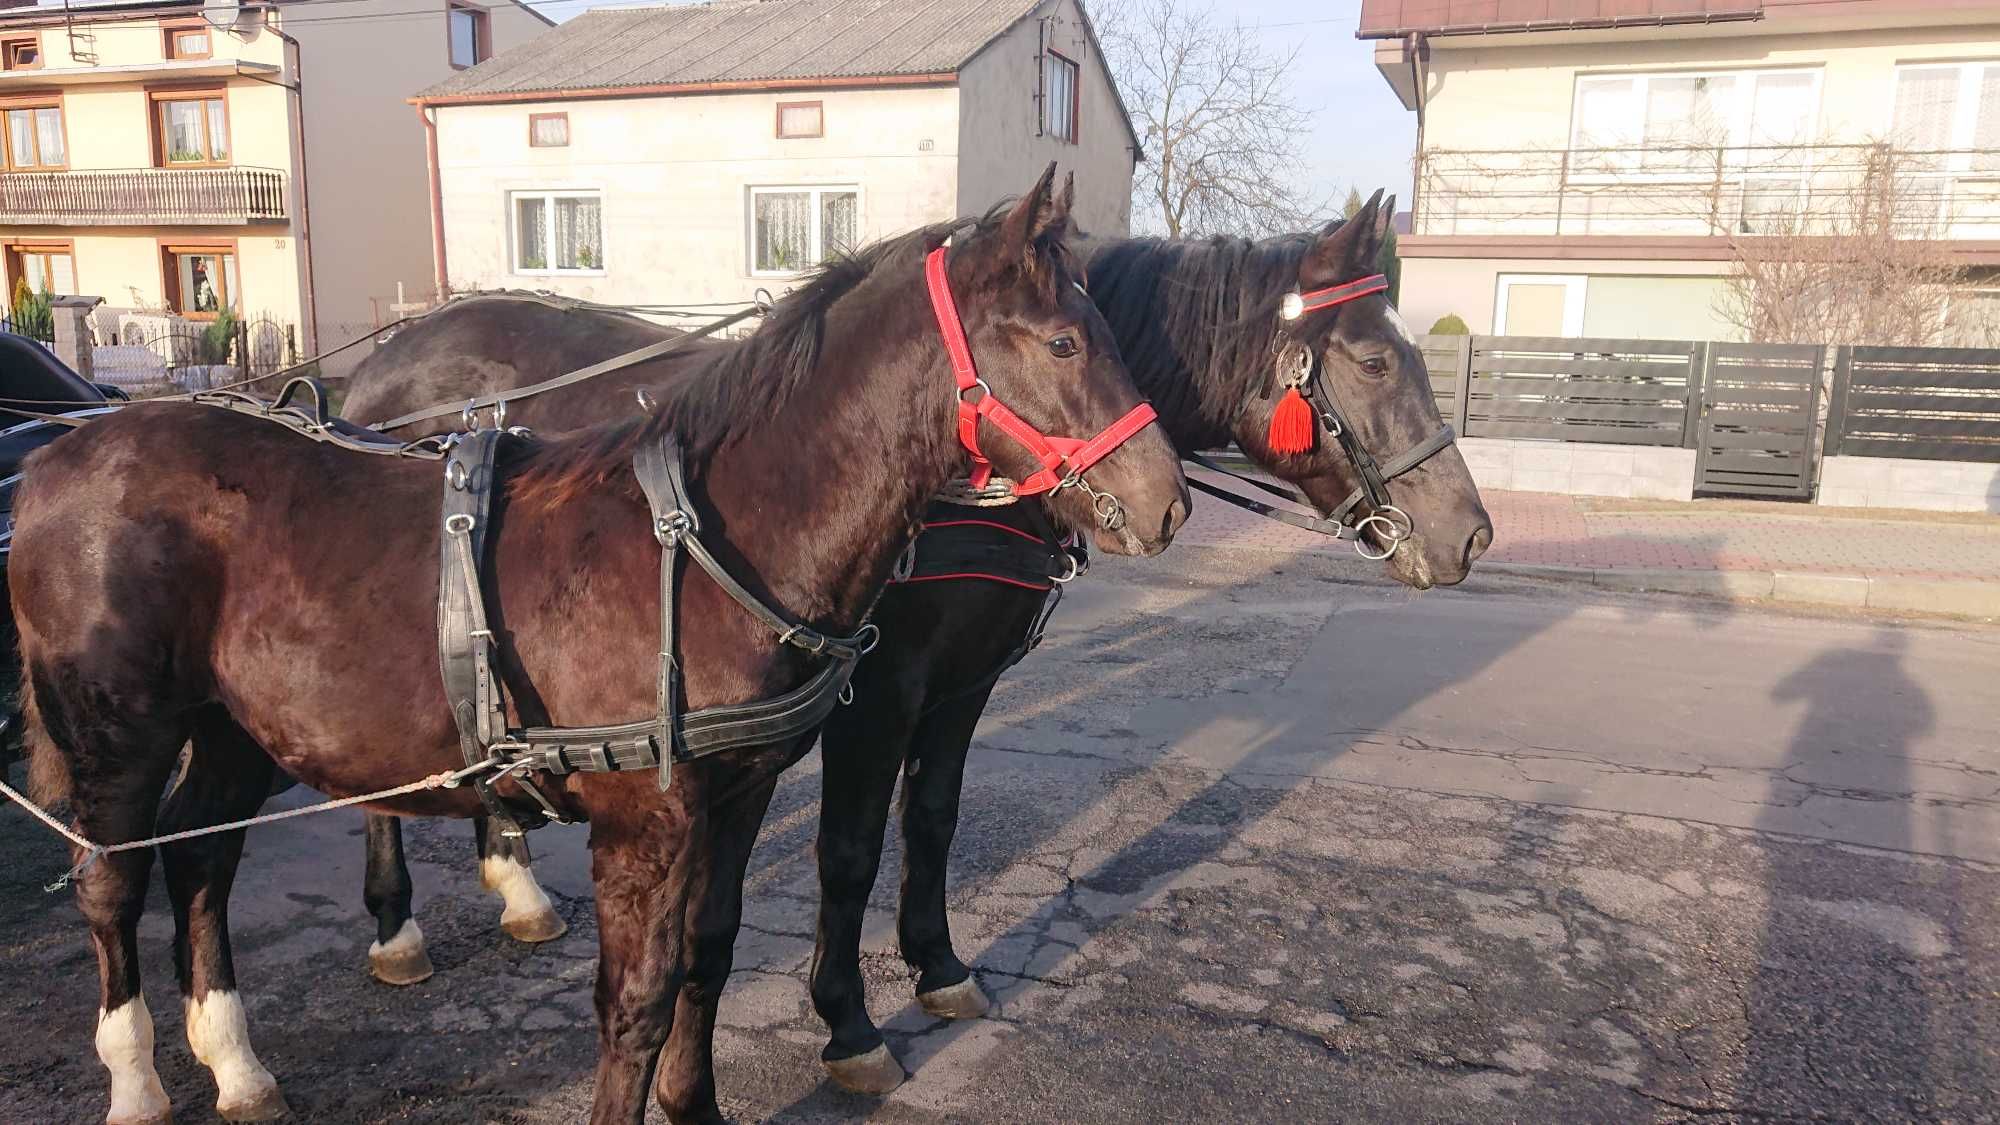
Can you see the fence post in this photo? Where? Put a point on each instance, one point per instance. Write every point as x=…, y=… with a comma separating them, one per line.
x=242, y=348
x=1836, y=404
x=72, y=332
x=1699, y=354
x=1464, y=361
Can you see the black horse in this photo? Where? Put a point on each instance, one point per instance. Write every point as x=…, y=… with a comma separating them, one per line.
x=304, y=630
x=1202, y=328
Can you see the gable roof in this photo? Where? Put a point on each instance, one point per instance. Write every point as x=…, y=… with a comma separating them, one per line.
x=758, y=42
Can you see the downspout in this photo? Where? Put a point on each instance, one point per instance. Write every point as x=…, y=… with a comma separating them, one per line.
x=301, y=188
x=1419, y=52
x=442, y=274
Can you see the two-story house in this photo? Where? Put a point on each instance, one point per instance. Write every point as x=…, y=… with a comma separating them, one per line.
x=180, y=157
x=697, y=153
x=1594, y=167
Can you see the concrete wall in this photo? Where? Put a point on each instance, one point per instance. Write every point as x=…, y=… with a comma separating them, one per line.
x=1433, y=287
x=1580, y=468
x=365, y=149
x=1894, y=482
x=675, y=176
x=1519, y=94
x=1000, y=152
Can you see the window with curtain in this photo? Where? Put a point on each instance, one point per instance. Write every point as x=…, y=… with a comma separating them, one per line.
x=1661, y=113
x=201, y=280
x=46, y=269
x=795, y=229
x=801, y=119
x=1059, y=97
x=548, y=130
x=193, y=130
x=1951, y=111
x=558, y=232
x=35, y=138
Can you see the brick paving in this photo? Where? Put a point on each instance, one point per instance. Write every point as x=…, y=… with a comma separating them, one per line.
x=1556, y=530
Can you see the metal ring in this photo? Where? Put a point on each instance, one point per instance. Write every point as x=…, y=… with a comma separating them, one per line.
x=1406, y=528
x=874, y=634
x=1361, y=537
x=500, y=415
x=1110, y=513
x=978, y=383
x=467, y=420
x=669, y=528
x=457, y=475
x=646, y=402
x=1332, y=424
x=458, y=523
x=846, y=695
x=1074, y=570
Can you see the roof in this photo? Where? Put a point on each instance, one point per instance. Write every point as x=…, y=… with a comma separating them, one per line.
x=772, y=42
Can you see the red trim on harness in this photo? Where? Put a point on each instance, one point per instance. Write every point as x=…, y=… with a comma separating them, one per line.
x=975, y=574
x=984, y=523
x=1341, y=294
x=1059, y=457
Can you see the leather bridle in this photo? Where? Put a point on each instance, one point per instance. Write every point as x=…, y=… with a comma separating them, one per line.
x=1063, y=459
x=1390, y=523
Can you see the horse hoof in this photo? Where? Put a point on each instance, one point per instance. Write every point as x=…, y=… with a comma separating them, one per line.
x=962, y=1001
x=164, y=1117
x=535, y=928
x=875, y=1073
x=268, y=1105
x=402, y=959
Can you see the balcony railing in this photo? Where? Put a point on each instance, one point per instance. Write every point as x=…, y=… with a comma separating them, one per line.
x=1729, y=191
x=144, y=197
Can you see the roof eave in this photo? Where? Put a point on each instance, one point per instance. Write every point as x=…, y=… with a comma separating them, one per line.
x=681, y=89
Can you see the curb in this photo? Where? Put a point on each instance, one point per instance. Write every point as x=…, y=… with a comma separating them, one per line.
x=1958, y=597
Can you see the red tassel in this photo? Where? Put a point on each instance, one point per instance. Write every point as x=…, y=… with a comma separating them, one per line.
x=1292, y=424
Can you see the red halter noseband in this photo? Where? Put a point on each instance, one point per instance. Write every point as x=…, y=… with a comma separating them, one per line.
x=1298, y=304
x=1055, y=453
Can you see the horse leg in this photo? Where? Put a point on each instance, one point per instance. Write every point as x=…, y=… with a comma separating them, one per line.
x=641, y=878
x=115, y=765
x=860, y=759
x=503, y=869
x=933, y=777
x=228, y=776
x=686, y=1088
x=397, y=956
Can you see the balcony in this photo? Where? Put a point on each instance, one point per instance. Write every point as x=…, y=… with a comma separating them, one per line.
x=144, y=197
x=1703, y=193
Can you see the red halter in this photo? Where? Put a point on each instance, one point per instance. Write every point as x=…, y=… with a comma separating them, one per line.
x=1054, y=453
x=1336, y=295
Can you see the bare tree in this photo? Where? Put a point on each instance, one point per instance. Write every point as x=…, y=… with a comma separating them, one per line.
x=1862, y=262
x=1224, y=138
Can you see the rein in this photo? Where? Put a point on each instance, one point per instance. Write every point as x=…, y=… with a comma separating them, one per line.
x=1073, y=455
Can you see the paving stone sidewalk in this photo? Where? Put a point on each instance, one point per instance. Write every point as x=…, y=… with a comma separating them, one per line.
x=1844, y=550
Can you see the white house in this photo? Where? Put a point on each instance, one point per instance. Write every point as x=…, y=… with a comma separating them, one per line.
x=698, y=153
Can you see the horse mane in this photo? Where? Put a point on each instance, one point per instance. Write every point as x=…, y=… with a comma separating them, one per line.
x=741, y=384
x=1196, y=319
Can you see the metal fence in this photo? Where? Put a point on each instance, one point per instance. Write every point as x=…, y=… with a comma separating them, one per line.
x=1940, y=404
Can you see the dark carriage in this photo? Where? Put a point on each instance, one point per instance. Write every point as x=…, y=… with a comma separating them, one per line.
x=32, y=381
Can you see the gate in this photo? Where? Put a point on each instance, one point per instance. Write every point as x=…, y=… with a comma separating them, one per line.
x=1760, y=406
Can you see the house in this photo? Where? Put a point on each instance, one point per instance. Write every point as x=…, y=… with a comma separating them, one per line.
x=695, y=154
x=1593, y=167
x=161, y=154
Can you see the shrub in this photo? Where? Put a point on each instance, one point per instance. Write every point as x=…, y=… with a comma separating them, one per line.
x=217, y=339
x=1450, y=324
x=31, y=313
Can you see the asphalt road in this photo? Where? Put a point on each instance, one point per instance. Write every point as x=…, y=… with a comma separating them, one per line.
x=1243, y=843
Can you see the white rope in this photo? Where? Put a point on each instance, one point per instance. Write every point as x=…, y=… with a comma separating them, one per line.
x=93, y=852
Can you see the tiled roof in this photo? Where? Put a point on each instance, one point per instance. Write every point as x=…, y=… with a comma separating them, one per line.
x=748, y=42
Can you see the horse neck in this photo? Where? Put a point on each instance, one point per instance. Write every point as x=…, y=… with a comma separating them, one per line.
x=819, y=501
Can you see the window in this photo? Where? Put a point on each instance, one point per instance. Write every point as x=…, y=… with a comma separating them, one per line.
x=558, y=232
x=1951, y=107
x=1059, y=97
x=793, y=229
x=1668, y=114
x=187, y=42
x=21, y=54
x=201, y=279
x=191, y=127
x=46, y=267
x=801, y=119
x=466, y=26
x=1539, y=305
x=35, y=137
x=548, y=130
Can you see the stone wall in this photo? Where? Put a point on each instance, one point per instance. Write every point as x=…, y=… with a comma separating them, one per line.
x=1896, y=482
x=1580, y=468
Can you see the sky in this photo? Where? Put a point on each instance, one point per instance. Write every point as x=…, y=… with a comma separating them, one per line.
x=1362, y=137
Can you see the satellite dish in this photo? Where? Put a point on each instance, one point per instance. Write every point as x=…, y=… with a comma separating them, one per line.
x=221, y=16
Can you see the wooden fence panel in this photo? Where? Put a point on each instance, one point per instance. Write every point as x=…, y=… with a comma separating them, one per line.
x=1940, y=404
x=1630, y=392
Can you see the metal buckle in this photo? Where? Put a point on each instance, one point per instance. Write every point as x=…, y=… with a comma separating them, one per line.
x=458, y=523
x=874, y=634
x=669, y=528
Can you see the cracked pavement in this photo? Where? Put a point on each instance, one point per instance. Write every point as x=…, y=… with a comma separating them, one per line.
x=1241, y=842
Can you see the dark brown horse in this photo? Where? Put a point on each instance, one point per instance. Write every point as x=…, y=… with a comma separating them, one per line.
x=1197, y=322
x=182, y=571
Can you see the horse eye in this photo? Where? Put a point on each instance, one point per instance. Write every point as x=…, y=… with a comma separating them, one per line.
x=1374, y=365
x=1063, y=347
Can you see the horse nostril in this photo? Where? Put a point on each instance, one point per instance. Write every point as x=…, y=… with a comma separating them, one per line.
x=1176, y=515
x=1476, y=546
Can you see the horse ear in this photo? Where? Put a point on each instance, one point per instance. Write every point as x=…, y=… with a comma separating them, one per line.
x=1385, y=219
x=1345, y=250
x=1030, y=216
